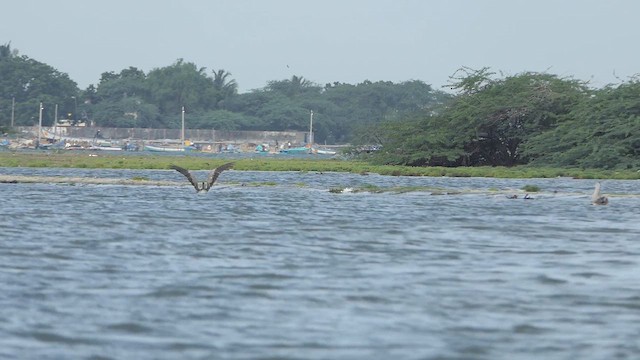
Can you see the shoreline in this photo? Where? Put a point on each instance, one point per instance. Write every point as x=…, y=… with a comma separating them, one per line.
x=258, y=162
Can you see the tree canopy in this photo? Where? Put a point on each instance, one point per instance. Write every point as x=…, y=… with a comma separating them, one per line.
x=485, y=119
x=529, y=118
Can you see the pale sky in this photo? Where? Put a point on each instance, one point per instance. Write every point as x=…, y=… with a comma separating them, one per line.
x=330, y=40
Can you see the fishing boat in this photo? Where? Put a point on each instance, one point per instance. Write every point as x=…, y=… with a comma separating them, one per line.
x=164, y=148
x=295, y=150
x=179, y=149
x=320, y=151
x=310, y=147
x=105, y=147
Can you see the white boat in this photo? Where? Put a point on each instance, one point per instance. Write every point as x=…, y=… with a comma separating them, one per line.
x=105, y=148
x=323, y=151
x=181, y=148
x=163, y=149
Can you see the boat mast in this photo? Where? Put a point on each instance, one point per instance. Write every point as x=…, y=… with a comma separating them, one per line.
x=182, y=132
x=55, y=123
x=311, y=129
x=13, y=110
x=39, y=127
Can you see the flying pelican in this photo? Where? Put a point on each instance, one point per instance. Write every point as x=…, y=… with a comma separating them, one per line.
x=596, y=198
x=203, y=186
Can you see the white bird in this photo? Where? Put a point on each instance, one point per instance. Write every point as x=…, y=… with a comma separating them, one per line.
x=596, y=198
x=203, y=186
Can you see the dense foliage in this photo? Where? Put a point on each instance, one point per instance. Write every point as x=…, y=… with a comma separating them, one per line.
x=25, y=83
x=530, y=118
x=133, y=98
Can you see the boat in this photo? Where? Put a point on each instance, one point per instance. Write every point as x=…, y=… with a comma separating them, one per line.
x=181, y=148
x=310, y=148
x=105, y=148
x=320, y=151
x=165, y=148
x=295, y=150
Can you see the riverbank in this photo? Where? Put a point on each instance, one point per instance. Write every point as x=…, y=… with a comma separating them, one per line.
x=287, y=163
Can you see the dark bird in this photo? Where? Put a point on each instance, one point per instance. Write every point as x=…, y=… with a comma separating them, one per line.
x=596, y=198
x=203, y=186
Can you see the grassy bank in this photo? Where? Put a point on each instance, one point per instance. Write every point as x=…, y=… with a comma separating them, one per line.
x=147, y=161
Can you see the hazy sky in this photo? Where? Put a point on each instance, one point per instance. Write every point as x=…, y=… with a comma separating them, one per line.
x=330, y=40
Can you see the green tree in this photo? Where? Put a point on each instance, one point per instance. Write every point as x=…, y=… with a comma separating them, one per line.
x=295, y=86
x=602, y=131
x=30, y=82
x=121, y=100
x=224, y=88
x=181, y=84
x=489, y=121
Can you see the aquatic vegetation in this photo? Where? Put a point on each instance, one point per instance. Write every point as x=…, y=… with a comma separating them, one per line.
x=306, y=165
x=531, y=188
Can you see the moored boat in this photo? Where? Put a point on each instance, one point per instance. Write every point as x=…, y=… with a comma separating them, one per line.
x=165, y=149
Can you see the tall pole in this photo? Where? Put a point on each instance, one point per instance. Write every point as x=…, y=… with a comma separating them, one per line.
x=39, y=127
x=182, y=132
x=13, y=109
x=55, y=123
x=75, y=110
x=311, y=129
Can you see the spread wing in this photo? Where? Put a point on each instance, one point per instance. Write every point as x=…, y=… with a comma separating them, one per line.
x=597, y=198
x=596, y=193
x=213, y=175
x=187, y=174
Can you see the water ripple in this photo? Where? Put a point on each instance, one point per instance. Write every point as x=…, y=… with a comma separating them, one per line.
x=291, y=271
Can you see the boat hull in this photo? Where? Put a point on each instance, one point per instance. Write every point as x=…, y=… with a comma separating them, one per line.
x=163, y=149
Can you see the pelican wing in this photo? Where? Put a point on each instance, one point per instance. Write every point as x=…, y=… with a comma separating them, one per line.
x=597, y=198
x=187, y=174
x=596, y=193
x=213, y=175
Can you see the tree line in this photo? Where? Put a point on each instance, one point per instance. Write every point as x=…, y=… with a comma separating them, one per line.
x=133, y=98
x=484, y=119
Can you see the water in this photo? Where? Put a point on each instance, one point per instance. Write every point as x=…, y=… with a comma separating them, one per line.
x=292, y=271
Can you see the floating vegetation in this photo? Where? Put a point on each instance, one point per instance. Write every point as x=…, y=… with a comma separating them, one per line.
x=258, y=183
x=140, y=178
x=531, y=188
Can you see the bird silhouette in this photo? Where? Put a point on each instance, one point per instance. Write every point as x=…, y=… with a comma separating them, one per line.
x=596, y=198
x=203, y=186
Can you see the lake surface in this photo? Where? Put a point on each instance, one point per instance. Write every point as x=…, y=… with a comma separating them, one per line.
x=292, y=271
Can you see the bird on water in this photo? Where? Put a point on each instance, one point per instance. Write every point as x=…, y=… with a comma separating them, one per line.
x=597, y=198
x=203, y=186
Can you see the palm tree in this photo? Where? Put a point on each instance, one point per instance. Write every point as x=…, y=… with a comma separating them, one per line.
x=5, y=51
x=224, y=89
x=292, y=87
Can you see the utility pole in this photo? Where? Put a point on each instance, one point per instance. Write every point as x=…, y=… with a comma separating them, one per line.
x=182, y=132
x=311, y=130
x=13, y=109
x=55, y=123
x=39, y=127
x=75, y=110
